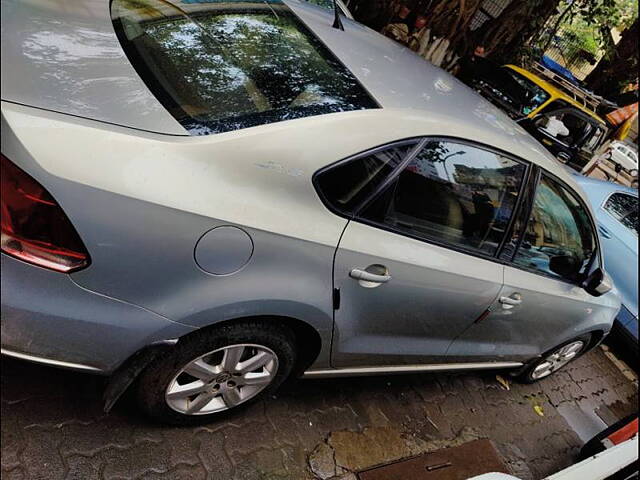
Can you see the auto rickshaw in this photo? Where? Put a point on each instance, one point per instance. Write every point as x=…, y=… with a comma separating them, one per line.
x=559, y=114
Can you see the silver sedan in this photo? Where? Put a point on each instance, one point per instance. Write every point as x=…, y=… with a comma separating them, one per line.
x=202, y=199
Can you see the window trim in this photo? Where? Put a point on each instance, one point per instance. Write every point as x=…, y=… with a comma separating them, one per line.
x=608, y=197
x=524, y=212
x=419, y=145
x=598, y=256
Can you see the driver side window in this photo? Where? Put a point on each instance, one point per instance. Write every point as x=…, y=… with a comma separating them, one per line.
x=559, y=239
x=563, y=126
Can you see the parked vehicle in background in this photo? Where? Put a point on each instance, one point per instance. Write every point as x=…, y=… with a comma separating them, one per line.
x=211, y=197
x=624, y=155
x=621, y=431
x=567, y=127
x=618, y=461
x=616, y=209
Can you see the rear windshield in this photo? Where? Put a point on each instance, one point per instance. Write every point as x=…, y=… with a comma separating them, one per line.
x=218, y=66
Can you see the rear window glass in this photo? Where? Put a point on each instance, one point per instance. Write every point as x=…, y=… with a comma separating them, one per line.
x=220, y=66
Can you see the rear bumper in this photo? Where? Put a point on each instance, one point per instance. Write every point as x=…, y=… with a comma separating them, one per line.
x=47, y=318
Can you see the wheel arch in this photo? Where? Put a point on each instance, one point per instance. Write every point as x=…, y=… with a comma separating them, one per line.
x=308, y=342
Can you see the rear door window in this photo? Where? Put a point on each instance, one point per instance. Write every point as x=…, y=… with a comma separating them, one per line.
x=220, y=66
x=346, y=185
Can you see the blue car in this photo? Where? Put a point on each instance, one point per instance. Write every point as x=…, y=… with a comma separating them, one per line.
x=616, y=209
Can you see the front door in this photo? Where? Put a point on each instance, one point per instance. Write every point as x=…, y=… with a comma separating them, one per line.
x=541, y=304
x=416, y=266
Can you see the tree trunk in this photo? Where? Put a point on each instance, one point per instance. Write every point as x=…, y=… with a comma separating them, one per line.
x=619, y=68
x=502, y=37
x=507, y=34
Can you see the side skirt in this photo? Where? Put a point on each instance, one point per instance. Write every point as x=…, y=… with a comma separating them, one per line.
x=396, y=369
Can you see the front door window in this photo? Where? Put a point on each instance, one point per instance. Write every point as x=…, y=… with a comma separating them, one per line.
x=559, y=239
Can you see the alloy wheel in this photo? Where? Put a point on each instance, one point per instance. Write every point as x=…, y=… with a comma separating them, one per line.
x=557, y=359
x=222, y=379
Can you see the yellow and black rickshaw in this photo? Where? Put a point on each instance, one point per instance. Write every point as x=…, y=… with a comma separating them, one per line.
x=559, y=114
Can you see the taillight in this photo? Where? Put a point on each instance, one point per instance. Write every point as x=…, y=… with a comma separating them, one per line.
x=34, y=227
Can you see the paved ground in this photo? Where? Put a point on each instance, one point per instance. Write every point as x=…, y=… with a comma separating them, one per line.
x=53, y=428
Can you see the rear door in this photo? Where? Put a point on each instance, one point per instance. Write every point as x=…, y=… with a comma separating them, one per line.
x=416, y=264
x=542, y=303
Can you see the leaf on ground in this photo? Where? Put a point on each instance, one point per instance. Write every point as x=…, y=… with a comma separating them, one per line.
x=503, y=382
x=538, y=409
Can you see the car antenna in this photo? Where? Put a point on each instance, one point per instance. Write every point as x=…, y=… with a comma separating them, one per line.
x=337, y=23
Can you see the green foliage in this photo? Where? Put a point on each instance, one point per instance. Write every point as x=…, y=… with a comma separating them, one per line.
x=589, y=23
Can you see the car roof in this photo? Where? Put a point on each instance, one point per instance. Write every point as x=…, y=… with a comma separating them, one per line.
x=555, y=92
x=68, y=59
x=64, y=56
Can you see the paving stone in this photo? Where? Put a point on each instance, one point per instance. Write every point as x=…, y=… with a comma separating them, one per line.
x=322, y=461
x=14, y=474
x=346, y=476
x=41, y=456
x=213, y=456
x=184, y=446
x=87, y=439
x=11, y=439
x=182, y=472
x=136, y=460
x=56, y=430
x=248, y=437
x=430, y=391
x=335, y=418
x=357, y=451
x=83, y=468
x=294, y=460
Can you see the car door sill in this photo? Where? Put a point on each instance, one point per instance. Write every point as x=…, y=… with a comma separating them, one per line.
x=388, y=370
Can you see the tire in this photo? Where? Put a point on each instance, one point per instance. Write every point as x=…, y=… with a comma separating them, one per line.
x=219, y=378
x=532, y=375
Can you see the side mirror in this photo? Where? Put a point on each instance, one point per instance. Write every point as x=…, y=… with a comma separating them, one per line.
x=567, y=266
x=598, y=283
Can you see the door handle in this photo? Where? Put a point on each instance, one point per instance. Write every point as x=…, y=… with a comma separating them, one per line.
x=365, y=276
x=510, y=302
x=604, y=232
